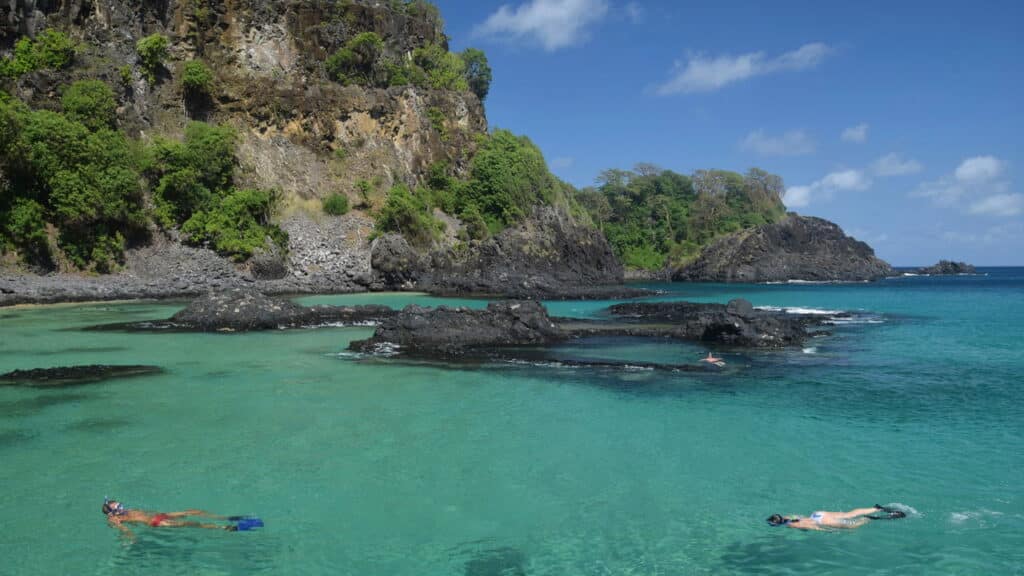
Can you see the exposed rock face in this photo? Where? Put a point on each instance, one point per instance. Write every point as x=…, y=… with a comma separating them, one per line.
x=948, y=268
x=73, y=375
x=796, y=248
x=547, y=256
x=734, y=324
x=445, y=331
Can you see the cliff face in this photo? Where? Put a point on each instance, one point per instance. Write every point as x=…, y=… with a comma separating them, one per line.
x=797, y=248
x=299, y=133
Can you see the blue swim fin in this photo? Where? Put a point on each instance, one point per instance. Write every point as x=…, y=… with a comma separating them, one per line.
x=245, y=524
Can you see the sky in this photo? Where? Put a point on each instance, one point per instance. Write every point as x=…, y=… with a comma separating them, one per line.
x=900, y=121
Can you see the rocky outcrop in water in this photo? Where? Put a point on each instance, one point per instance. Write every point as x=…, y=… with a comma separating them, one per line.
x=67, y=376
x=948, y=268
x=795, y=248
x=247, y=310
x=445, y=331
x=734, y=324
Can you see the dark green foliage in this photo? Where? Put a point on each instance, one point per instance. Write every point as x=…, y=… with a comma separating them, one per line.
x=358, y=62
x=82, y=179
x=197, y=77
x=507, y=177
x=477, y=71
x=50, y=50
x=336, y=204
x=237, y=225
x=655, y=217
x=24, y=226
x=152, y=52
x=126, y=74
x=475, y=226
x=188, y=174
x=410, y=215
x=90, y=102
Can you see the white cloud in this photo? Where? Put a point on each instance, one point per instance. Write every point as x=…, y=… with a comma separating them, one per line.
x=793, y=143
x=979, y=169
x=858, y=133
x=562, y=162
x=635, y=12
x=841, y=181
x=976, y=187
x=797, y=196
x=553, y=23
x=704, y=74
x=999, y=205
x=894, y=165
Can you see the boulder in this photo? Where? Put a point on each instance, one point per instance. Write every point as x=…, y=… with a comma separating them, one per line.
x=445, y=331
x=795, y=248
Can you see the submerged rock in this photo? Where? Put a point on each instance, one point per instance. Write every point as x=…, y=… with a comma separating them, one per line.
x=66, y=376
x=448, y=331
x=796, y=248
x=948, y=268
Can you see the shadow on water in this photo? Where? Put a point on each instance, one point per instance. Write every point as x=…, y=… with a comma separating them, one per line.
x=98, y=425
x=784, y=554
x=15, y=438
x=484, y=558
x=195, y=551
x=33, y=405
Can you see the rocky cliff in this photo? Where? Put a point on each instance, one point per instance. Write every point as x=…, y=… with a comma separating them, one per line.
x=796, y=248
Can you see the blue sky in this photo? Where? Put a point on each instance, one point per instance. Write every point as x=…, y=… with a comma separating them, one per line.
x=900, y=121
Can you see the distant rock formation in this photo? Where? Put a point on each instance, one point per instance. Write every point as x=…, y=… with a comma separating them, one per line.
x=795, y=248
x=247, y=310
x=948, y=268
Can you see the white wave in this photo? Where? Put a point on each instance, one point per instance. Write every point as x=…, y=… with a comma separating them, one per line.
x=811, y=350
x=910, y=274
x=906, y=509
x=386, y=349
x=853, y=321
x=973, y=515
x=800, y=310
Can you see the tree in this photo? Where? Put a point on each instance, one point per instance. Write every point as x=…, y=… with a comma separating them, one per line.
x=478, y=72
x=197, y=77
x=152, y=51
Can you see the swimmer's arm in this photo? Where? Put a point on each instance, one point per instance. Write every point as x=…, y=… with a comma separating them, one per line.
x=805, y=524
x=124, y=529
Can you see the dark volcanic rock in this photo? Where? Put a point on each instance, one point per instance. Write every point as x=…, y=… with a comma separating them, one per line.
x=245, y=310
x=73, y=375
x=796, y=248
x=948, y=268
x=734, y=324
x=548, y=255
x=448, y=331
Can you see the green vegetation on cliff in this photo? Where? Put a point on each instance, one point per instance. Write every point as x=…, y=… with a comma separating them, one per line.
x=654, y=217
x=50, y=50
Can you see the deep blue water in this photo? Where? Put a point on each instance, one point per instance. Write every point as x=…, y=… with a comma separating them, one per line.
x=375, y=466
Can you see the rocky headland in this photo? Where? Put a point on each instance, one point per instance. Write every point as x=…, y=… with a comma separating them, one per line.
x=947, y=268
x=796, y=248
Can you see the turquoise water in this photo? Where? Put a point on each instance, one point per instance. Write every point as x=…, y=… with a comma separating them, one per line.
x=370, y=466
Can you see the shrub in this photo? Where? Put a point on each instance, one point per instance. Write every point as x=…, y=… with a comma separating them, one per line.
x=49, y=50
x=363, y=187
x=197, y=77
x=477, y=72
x=152, y=51
x=90, y=102
x=25, y=226
x=190, y=174
x=444, y=70
x=476, y=227
x=437, y=119
x=237, y=225
x=409, y=215
x=357, y=61
x=336, y=204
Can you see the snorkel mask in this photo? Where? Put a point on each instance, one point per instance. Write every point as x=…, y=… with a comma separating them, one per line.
x=108, y=509
x=778, y=520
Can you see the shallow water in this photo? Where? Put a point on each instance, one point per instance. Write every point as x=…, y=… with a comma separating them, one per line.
x=374, y=466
